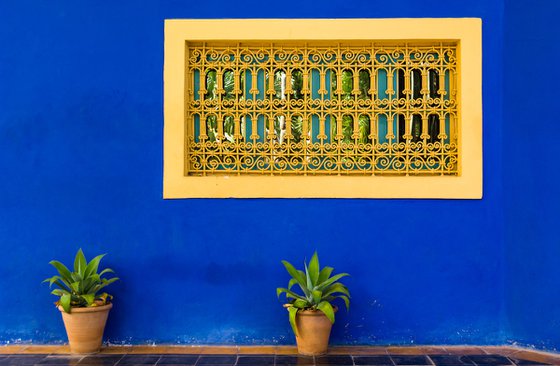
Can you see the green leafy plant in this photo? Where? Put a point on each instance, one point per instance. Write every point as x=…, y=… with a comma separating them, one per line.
x=81, y=287
x=318, y=287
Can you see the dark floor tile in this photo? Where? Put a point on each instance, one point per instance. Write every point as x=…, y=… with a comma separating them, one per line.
x=527, y=362
x=450, y=360
x=178, y=360
x=100, y=360
x=22, y=360
x=489, y=360
x=255, y=360
x=139, y=360
x=334, y=360
x=410, y=360
x=216, y=360
x=60, y=360
x=282, y=360
x=372, y=360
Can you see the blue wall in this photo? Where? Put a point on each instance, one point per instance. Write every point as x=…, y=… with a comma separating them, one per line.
x=530, y=178
x=81, y=156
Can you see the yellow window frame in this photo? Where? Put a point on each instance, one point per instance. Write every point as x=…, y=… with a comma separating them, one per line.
x=465, y=31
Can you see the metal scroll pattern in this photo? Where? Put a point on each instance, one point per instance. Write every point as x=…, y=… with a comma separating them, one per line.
x=365, y=109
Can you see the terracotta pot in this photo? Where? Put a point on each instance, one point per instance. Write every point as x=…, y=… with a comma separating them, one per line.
x=314, y=329
x=85, y=326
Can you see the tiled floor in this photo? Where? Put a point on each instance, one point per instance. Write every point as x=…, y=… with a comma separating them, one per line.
x=354, y=356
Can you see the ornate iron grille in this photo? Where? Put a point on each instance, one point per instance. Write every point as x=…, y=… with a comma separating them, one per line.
x=318, y=108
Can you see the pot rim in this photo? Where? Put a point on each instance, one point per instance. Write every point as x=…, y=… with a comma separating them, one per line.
x=90, y=309
x=315, y=312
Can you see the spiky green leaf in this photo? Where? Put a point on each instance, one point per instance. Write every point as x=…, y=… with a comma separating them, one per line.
x=89, y=298
x=93, y=265
x=291, y=284
x=300, y=304
x=289, y=293
x=308, y=281
x=62, y=270
x=105, y=271
x=346, y=301
x=314, y=269
x=80, y=262
x=332, y=280
x=324, y=275
x=327, y=309
x=292, y=315
x=317, y=295
x=336, y=287
x=59, y=292
x=297, y=275
x=65, y=302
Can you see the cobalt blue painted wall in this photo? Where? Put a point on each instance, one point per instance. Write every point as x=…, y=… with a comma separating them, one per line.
x=531, y=198
x=81, y=157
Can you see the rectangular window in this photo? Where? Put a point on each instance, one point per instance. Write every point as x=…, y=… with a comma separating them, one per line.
x=321, y=108
x=365, y=108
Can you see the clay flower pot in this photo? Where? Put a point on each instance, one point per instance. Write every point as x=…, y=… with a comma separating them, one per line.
x=85, y=326
x=314, y=330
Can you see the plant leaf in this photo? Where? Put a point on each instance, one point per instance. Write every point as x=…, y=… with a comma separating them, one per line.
x=59, y=292
x=331, y=280
x=301, y=304
x=327, y=309
x=106, y=270
x=316, y=296
x=297, y=275
x=62, y=270
x=90, y=282
x=324, y=275
x=80, y=262
x=89, y=298
x=314, y=269
x=346, y=301
x=65, y=302
x=75, y=286
x=92, y=266
x=76, y=277
x=53, y=279
x=62, y=286
x=336, y=287
x=292, y=316
x=289, y=293
x=292, y=282
x=106, y=283
x=308, y=278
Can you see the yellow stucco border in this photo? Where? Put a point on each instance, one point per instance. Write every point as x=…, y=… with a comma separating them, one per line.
x=467, y=31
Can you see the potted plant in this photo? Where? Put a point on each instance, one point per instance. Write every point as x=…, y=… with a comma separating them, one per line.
x=312, y=313
x=84, y=309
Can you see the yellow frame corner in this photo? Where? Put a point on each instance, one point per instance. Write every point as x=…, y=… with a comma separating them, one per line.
x=466, y=31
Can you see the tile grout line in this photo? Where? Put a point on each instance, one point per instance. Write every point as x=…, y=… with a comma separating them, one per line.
x=159, y=359
x=122, y=356
x=430, y=359
x=197, y=360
